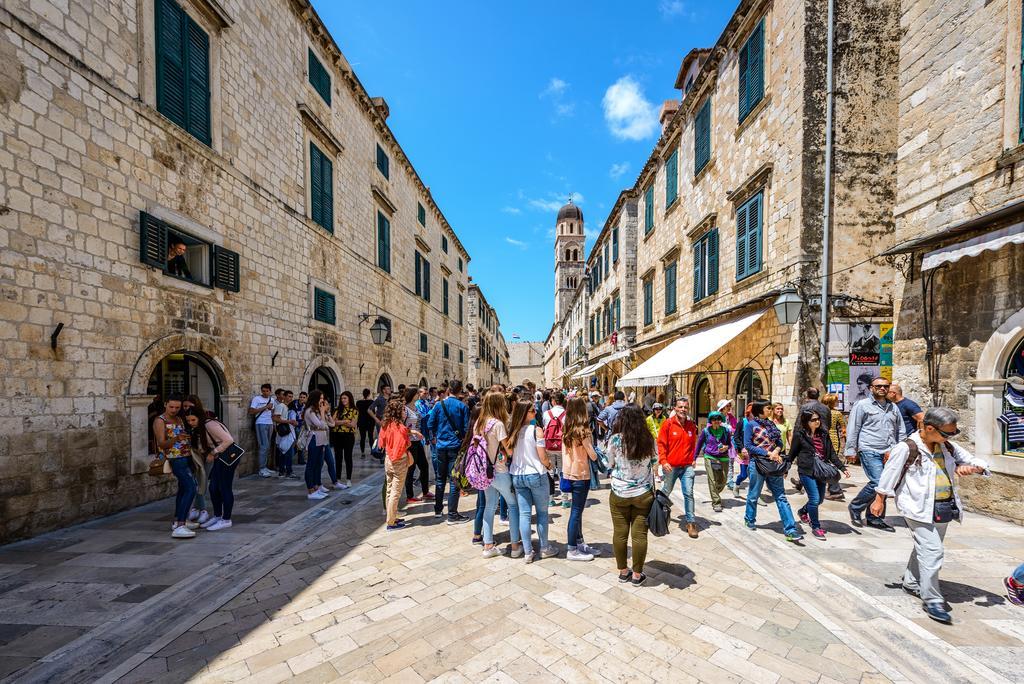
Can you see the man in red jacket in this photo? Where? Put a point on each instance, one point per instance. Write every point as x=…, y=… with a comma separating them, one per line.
x=676, y=441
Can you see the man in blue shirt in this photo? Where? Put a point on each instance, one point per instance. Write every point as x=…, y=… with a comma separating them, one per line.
x=447, y=425
x=874, y=428
x=606, y=418
x=910, y=410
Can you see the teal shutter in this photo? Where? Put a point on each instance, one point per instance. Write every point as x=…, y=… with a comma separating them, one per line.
x=383, y=163
x=327, y=189
x=426, y=280
x=321, y=188
x=444, y=294
x=383, y=242
x=702, y=138
x=751, y=71
x=672, y=178
x=615, y=244
x=319, y=78
x=225, y=269
x=741, y=242
x=170, y=66
x=754, y=226
x=649, y=209
x=323, y=306
x=670, y=288
x=419, y=274
x=198, y=83
x=152, y=241
x=460, y=308
x=618, y=313
x=699, y=251
x=712, y=262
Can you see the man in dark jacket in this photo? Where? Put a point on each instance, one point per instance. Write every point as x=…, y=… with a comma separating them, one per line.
x=447, y=425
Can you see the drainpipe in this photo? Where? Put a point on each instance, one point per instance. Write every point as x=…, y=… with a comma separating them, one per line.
x=826, y=212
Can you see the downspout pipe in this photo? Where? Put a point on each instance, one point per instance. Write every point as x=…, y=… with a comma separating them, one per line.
x=826, y=212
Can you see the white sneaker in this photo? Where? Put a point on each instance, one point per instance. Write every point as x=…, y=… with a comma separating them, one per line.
x=576, y=555
x=316, y=496
x=324, y=490
x=266, y=472
x=586, y=548
x=193, y=514
x=192, y=525
x=220, y=525
x=491, y=552
x=338, y=485
x=212, y=521
x=204, y=516
x=182, y=532
x=345, y=485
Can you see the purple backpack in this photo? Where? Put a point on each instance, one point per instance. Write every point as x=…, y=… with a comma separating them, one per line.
x=478, y=467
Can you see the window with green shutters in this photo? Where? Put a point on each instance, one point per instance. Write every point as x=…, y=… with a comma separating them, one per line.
x=751, y=68
x=702, y=137
x=383, y=242
x=462, y=356
x=383, y=163
x=749, y=219
x=421, y=214
x=648, y=302
x=444, y=244
x=590, y=330
x=460, y=308
x=447, y=351
x=423, y=342
x=182, y=70
x=648, y=209
x=1020, y=121
x=615, y=245
x=705, y=266
x=323, y=306
x=321, y=188
x=607, y=264
x=444, y=296
x=460, y=264
x=670, y=287
x=672, y=178
x=618, y=312
x=319, y=78
x=422, y=277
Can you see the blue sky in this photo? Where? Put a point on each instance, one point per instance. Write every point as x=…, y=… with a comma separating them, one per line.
x=505, y=112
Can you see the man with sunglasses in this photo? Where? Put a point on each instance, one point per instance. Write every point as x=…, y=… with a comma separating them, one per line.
x=874, y=428
x=920, y=475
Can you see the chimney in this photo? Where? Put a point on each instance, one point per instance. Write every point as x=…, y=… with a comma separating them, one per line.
x=668, y=110
x=381, y=105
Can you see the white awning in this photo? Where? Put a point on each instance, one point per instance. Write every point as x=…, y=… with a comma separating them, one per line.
x=971, y=248
x=686, y=352
x=588, y=370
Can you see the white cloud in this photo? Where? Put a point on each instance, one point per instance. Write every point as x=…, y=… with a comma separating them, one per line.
x=618, y=170
x=565, y=109
x=516, y=243
x=556, y=92
x=592, y=233
x=556, y=86
x=511, y=210
x=671, y=8
x=554, y=201
x=629, y=115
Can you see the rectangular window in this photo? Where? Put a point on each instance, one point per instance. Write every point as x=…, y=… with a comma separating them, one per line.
x=460, y=308
x=702, y=137
x=423, y=342
x=615, y=245
x=670, y=287
x=749, y=219
x=444, y=296
x=383, y=242
x=319, y=78
x=383, y=163
x=182, y=70
x=672, y=178
x=422, y=276
x=462, y=356
x=421, y=214
x=648, y=302
x=321, y=189
x=705, y=266
x=648, y=209
x=751, y=68
x=183, y=256
x=446, y=351
x=606, y=264
x=323, y=306
x=618, y=312
x=444, y=244
x=590, y=331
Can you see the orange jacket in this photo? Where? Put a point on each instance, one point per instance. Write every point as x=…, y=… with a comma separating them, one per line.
x=676, y=442
x=394, y=440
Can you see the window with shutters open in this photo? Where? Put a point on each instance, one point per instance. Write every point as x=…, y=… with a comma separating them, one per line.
x=670, y=287
x=447, y=351
x=705, y=266
x=421, y=214
x=749, y=220
x=615, y=245
x=422, y=276
x=383, y=163
x=383, y=242
x=323, y=306
x=321, y=188
x=319, y=78
x=423, y=342
x=648, y=302
x=672, y=178
x=461, y=304
x=184, y=256
x=702, y=137
x=648, y=209
x=751, y=71
x=444, y=296
x=182, y=70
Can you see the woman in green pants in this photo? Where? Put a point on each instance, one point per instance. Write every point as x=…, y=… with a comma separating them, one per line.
x=713, y=444
x=632, y=457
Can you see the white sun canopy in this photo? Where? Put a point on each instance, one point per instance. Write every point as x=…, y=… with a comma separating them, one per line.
x=686, y=352
x=971, y=248
x=587, y=370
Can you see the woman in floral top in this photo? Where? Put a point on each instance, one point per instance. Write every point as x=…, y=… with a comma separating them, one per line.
x=343, y=434
x=632, y=457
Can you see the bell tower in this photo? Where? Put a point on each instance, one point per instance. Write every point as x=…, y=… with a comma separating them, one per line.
x=569, y=256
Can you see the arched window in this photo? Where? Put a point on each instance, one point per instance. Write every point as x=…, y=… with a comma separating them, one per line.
x=323, y=379
x=384, y=381
x=575, y=255
x=567, y=255
x=749, y=387
x=702, y=398
x=187, y=373
x=1011, y=416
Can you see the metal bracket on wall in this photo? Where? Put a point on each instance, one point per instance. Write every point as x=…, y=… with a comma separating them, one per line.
x=55, y=335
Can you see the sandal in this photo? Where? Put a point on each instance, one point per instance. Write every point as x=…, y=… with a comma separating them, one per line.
x=626, y=576
x=637, y=581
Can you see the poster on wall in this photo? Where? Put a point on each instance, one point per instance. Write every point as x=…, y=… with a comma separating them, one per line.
x=865, y=344
x=839, y=389
x=860, y=383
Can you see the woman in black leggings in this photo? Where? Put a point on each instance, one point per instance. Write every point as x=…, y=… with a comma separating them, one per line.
x=365, y=422
x=419, y=454
x=210, y=438
x=343, y=437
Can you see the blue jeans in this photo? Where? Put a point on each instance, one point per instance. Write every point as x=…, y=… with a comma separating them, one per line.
x=815, y=492
x=532, y=492
x=222, y=495
x=444, y=459
x=500, y=490
x=1018, y=574
x=685, y=475
x=478, y=514
x=503, y=507
x=186, y=487
x=332, y=465
x=264, y=440
x=314, y=464
x=744, y=471
x=871, y=461
x=284, y=463
x=777, y=486
x=574, y=533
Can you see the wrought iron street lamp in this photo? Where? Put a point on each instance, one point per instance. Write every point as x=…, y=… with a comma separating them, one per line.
x=788, y=305
x=379, y=331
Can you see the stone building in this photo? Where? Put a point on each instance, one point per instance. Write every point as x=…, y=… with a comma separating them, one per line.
x=488, y=362
x=526, y=362
x=196, y=196
x=960, y=232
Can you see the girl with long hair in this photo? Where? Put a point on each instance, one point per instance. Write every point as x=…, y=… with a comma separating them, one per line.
x=209, y=440
x=419, y=454
x=632, y=457
x=578, y=451
x=343, y=436
x=763, y=441
x=395, y=438
x=318, y=419
x=742, y=459
x=490, y=425
x=811, y=442
x=785, y=427
x=199, y=513
x=529, y=470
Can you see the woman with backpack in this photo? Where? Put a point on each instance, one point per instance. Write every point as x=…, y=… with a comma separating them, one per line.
x=529, y=470
x=210, y=439
x=395, y=439
x=714, y=443
x=632, y=457
x=815, y=457
x=762, y=439
x=578, y=452
x=485, y=451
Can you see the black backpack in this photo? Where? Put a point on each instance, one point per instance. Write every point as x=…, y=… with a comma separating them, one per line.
x=661, y=513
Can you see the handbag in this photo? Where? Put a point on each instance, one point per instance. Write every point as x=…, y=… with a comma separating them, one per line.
x=823, y=470
x=167, y=469
x=769, y=468
x=945, y=511
x=564, y=485
x=156, y=467
x=230, y=456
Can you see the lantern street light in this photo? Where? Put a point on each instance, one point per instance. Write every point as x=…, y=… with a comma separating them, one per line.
x=379, y=331
x=476, y=363
x=788, y=305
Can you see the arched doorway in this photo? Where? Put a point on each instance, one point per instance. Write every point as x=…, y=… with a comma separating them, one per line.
x=749, y=387
x=702, y=399
x=323, y=379
x=187, y=373
x=1011, y=416
x=384, y=381
x=423, y=382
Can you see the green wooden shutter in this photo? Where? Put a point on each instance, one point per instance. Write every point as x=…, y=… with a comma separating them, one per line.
x=383, y=242
x=327, y=192
x=712, y=262
x=699, y=252
x=426, y=280
x=170, y=67
x=648, y=302
x=316, y=200
x=672, y=178
x=751, y=71
x=444, y=294
x=198, y=68
x=741, y=241
x=319, y=78
x=670, y=288
x=702, y=138
x=225, y=269
x=460, y=308
x=152, y=241
x=615, y=244
x=421, y=215
x=754, y=227
x=618, y=313
x=323, y=306
x=418, y=260
x=649, y=209
x=383, y=163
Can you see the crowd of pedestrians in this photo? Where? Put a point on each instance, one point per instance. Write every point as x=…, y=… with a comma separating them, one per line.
x=522, y=451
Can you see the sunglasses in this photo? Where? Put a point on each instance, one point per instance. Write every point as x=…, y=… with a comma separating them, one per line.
x=880, y=387
x=945, y=434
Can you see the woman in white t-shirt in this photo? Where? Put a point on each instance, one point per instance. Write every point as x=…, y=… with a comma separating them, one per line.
x=529, y=470
x=491, y=425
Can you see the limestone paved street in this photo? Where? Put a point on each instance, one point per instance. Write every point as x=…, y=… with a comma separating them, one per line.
x=345, y=600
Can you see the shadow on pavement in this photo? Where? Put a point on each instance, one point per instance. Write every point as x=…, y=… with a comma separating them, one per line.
x=675, y=575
